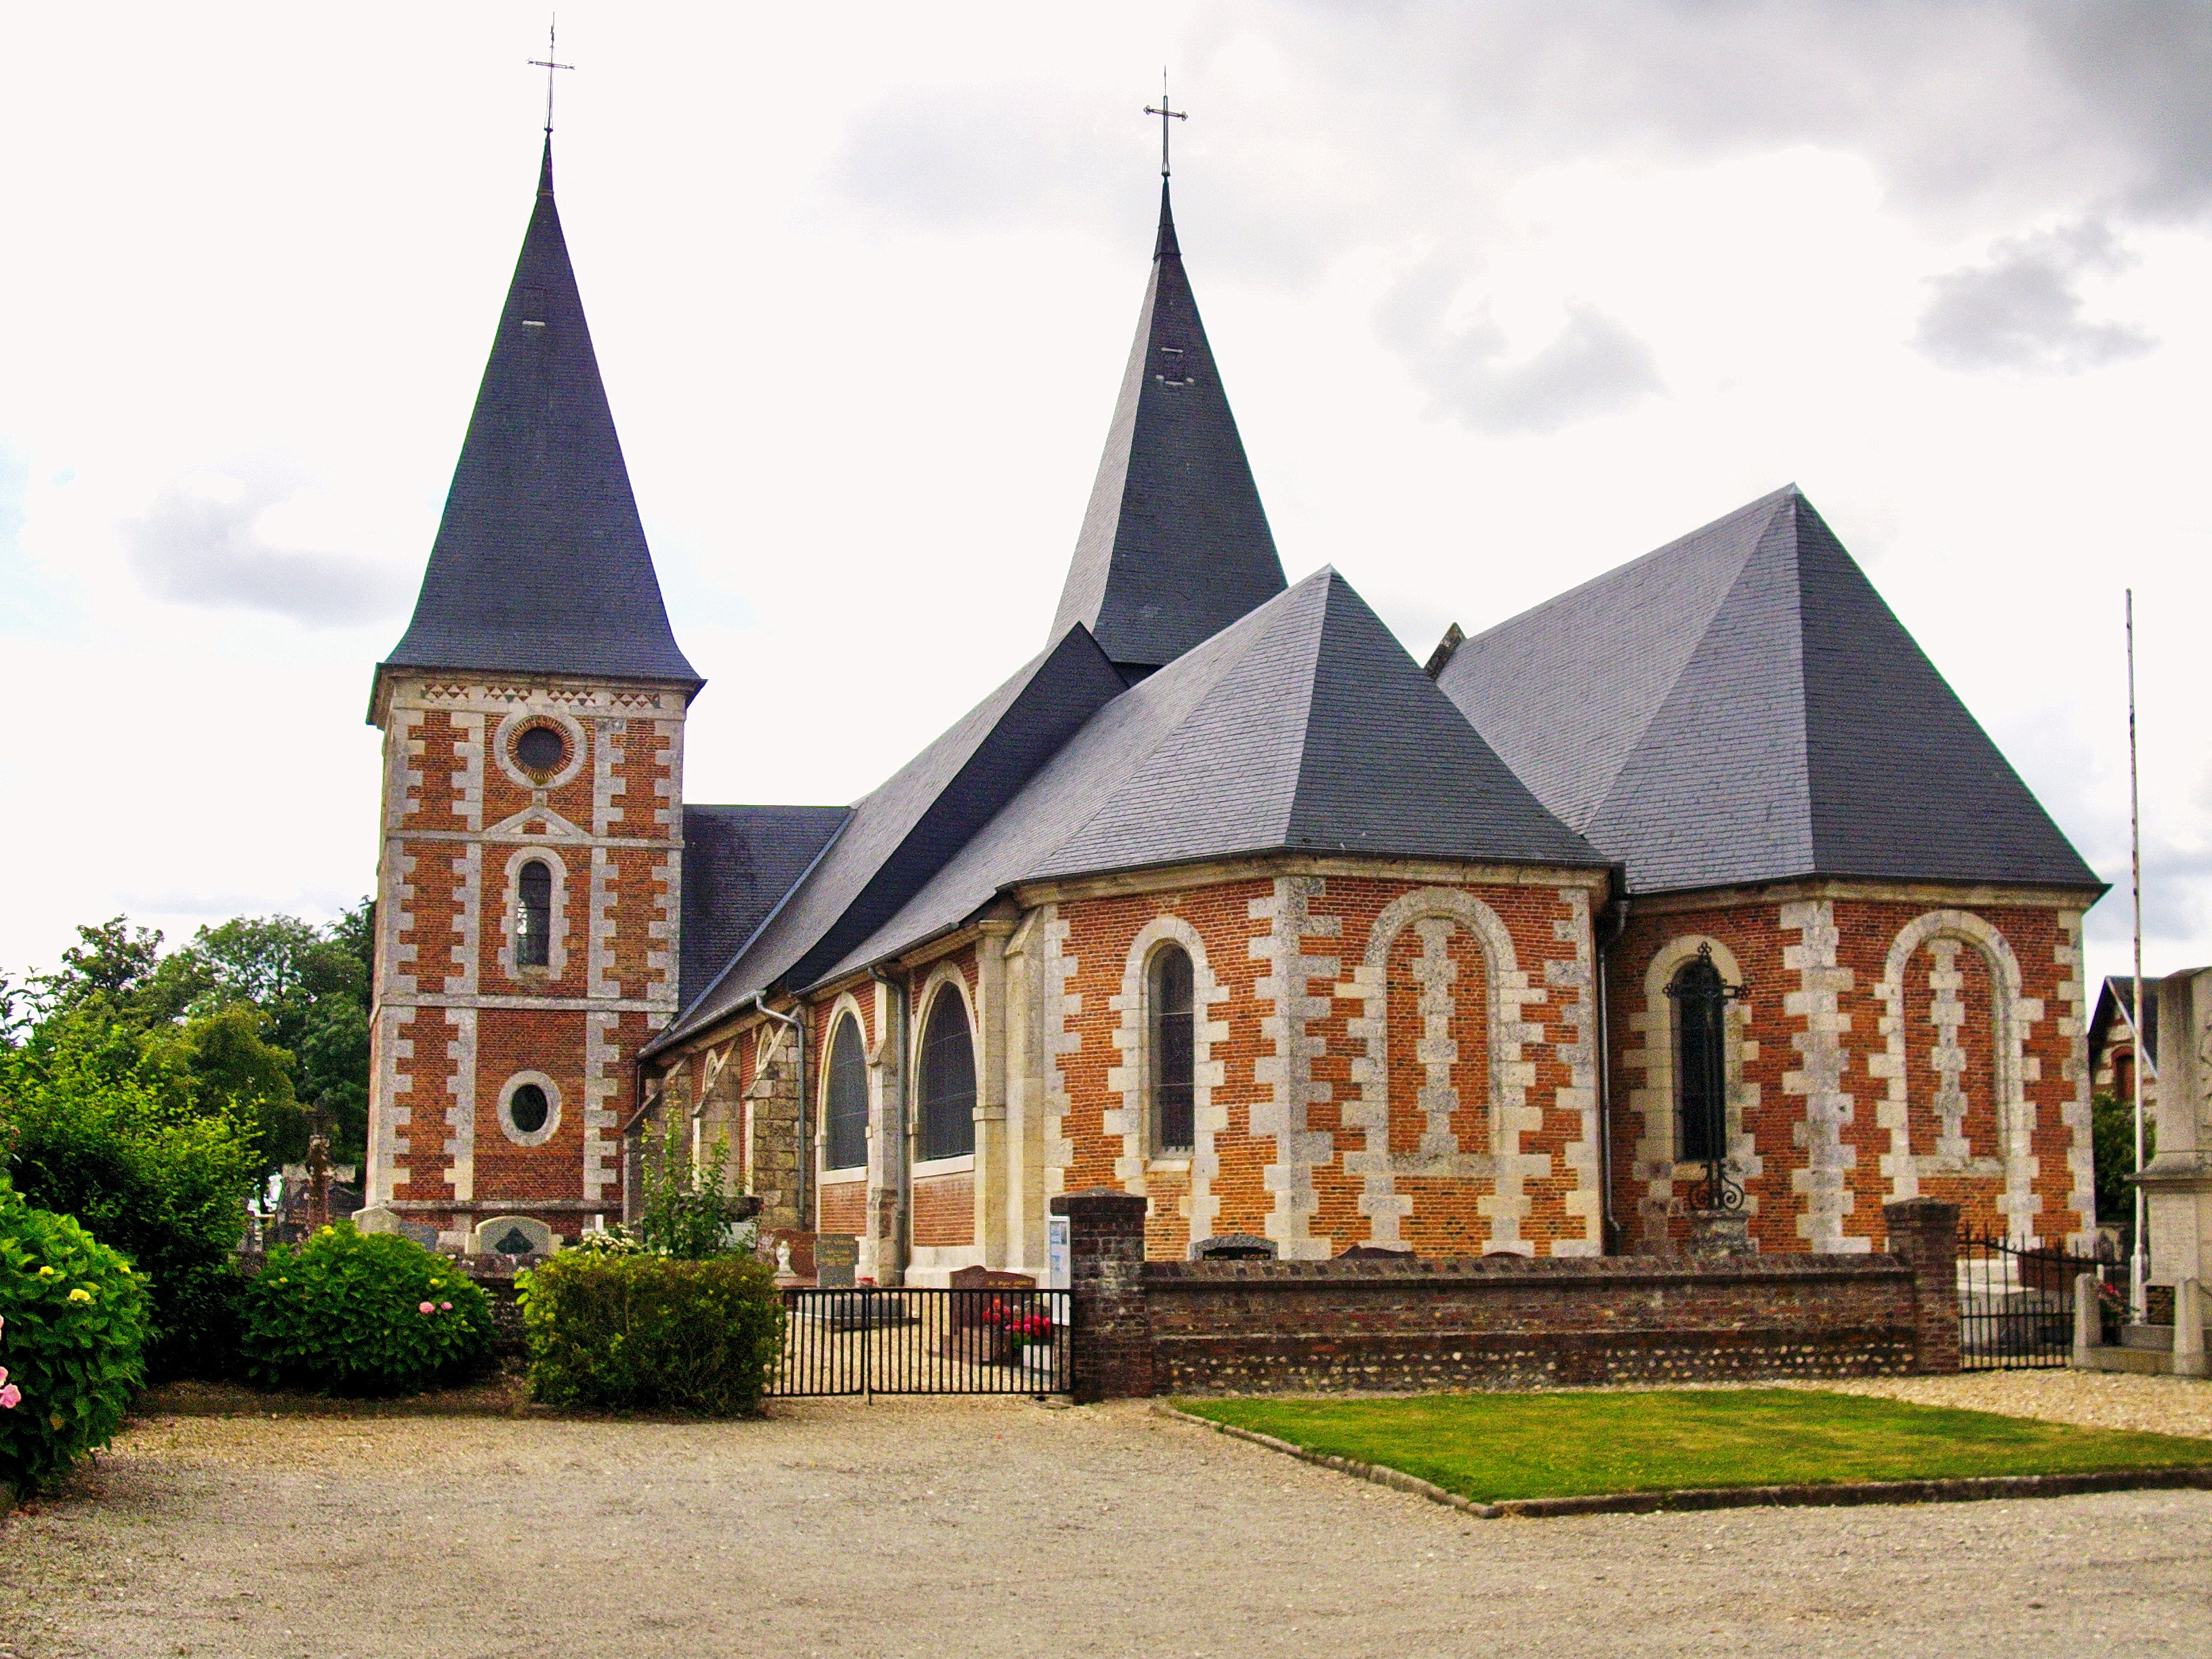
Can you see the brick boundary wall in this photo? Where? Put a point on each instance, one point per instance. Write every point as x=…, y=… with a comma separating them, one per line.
x=1498, y=1321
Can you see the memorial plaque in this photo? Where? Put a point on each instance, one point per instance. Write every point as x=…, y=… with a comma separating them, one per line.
x=836, y=1256
x=376, y=1218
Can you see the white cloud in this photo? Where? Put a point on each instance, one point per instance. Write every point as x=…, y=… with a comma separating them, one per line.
x=2022, y=308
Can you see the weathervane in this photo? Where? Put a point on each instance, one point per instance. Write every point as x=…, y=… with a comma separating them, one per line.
x=1167, y=112
x=547, y=63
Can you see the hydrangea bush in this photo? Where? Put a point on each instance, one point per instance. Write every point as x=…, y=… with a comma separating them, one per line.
x=73, y=1326
x=363, y=1314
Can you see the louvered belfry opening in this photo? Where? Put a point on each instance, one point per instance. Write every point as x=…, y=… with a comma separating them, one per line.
x=845, y=1118
x=948, y=1079
x=1173, y=1050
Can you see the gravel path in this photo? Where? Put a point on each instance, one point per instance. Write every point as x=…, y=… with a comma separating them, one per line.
x=944, y=1528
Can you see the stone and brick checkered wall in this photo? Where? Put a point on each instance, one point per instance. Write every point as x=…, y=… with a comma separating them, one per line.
x=459, y=1022
x=1895, y=1045
x=1143, y=1328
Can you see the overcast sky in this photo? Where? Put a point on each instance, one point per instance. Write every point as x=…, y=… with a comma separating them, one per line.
x=1504, y=296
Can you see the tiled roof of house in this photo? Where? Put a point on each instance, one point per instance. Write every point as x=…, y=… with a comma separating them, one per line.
x=1175, y=545
x=1742, y=706
x=540, y=564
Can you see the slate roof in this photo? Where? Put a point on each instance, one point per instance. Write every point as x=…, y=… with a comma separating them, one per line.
x=1742, y=706
x=900, y=836
x=1303, y=727
x=540, y=564
x=738, y=862
x=1175, y=545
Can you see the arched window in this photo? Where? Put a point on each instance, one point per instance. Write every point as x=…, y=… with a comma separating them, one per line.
x=845, y=1114
x=948, y=1079
x=1168, y=1000
x=1700, y=1058
x=533, y=923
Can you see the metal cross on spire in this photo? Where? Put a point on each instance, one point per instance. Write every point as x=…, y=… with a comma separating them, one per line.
x=547, y=63
x=1167, y=112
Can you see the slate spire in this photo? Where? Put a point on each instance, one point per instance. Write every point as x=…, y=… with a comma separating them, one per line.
x=1175, y=545
x=540, y=565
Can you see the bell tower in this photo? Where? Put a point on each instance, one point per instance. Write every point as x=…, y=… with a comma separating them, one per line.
x=530, y=864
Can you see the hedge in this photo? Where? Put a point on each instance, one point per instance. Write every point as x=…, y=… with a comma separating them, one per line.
x=627, y=1333
x=363, y=1314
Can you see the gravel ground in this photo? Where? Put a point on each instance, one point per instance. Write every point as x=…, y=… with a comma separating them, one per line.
x=943, y=1527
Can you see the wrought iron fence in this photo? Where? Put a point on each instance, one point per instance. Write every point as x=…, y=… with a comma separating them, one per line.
x=2016, y=1304
x=923, y=1341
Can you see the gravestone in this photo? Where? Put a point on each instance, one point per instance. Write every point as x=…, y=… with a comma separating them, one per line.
x=836, y=1256
x=376, y=1218
x=511, y=1234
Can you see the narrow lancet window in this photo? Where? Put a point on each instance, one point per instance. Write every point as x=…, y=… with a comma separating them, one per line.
x=845, y=1117
x=948, y=1079
x=1173, y=1050
x=1700, y=1059
x=534, y=921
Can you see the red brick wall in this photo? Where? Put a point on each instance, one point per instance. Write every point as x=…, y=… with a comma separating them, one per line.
x=844, y=1206
x=1778, y=1032
x=944, y=1210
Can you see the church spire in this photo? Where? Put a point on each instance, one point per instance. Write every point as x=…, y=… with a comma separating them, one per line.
x=1174, y=545
x=541, y=565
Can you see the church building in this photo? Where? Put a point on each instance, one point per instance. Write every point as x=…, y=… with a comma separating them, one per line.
x=1690, y=906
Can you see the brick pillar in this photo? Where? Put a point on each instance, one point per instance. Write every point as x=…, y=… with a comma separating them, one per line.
x=1923, y=1234
x=1110, y=1353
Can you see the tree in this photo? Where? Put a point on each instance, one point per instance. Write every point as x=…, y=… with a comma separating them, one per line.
x=2112, y=1141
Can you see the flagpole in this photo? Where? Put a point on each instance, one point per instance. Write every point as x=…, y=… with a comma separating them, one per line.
x=2138, y=1270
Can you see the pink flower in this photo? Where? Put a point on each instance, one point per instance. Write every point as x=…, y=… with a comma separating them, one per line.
x=443, y=1307
x=4, y=1377
x=10, y=1397
x=426, y=1308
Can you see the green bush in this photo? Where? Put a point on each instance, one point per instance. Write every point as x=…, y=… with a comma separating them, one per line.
x=363, y=1314
x=86, y=1134
x=72, y=1325
x=625, y=1332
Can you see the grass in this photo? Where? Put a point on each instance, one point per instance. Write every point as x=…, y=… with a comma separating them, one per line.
x=1496, y=1446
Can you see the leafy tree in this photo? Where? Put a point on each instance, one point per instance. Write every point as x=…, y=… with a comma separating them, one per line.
x=2112, y=1140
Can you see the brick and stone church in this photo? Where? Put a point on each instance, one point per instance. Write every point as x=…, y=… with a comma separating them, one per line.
x=1692, y=900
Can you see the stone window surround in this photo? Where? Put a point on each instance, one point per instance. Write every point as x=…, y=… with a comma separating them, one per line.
x=945, y=971
x=1135, y=1120
x=1659, y=1162
x=511, y=728
x=2012, y=1014
x=556, y=946
x=846, y=1006
x=546, y=1131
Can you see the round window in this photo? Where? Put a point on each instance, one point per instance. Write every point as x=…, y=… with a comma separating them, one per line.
x=527, y=1107
x=541, y=750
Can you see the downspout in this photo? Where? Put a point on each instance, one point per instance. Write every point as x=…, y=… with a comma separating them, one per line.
x=1618, y=911
x=797, y=1023
x=901, y=1187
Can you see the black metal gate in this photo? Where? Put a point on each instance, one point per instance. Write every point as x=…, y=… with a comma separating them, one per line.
x=923, y=1341
x=2017, y=1305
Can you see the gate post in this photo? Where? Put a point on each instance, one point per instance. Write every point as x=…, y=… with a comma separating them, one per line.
x=1923, y=1234
x=1110, y=1351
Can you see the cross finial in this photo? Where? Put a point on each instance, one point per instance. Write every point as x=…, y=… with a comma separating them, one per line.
x=547, y=63
x=1167, y=112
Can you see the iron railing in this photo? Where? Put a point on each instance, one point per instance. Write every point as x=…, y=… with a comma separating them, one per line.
x=2016, y=1304
x=923, y=1341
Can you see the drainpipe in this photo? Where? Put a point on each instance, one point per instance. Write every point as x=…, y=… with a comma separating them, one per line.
x=1618, y=912
x=797, y=1024
x=902, y=1185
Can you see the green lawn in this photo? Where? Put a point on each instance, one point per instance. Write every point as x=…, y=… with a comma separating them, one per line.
x=1494, y=1447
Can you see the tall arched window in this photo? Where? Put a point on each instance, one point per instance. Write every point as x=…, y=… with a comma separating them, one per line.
x=1700, y=1058
x=1169, y=998
x=533, y=922
x=948, y=1079
x=845, y=1114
